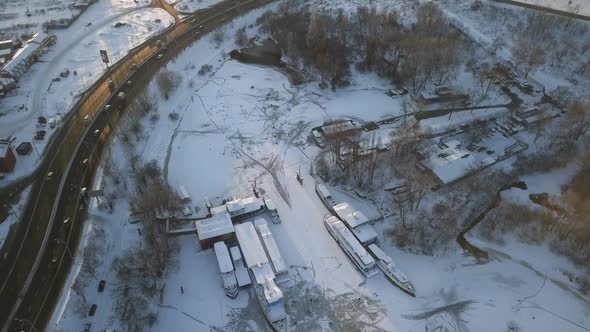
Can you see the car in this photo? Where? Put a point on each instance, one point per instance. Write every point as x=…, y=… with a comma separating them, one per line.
x=134, y=66
x=52, y=122
x=96, y=132
x=41, y=125
x=129, y=83
x=41, y=119
x=107, y=107
x=86, y=119
x=101, y=286
x=87, y=327
x=121, y=95
x=92, y=310
x=160, y=56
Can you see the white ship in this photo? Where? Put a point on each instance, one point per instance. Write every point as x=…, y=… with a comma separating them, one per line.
x=230, y=283
x=351, y=246
x=386, y=264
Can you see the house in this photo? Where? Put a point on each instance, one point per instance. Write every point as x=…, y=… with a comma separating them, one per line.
x=442, y=94
x=532, y=115
x=449, y=162
x=27, y=55
x=217, y=228
x=7, y=158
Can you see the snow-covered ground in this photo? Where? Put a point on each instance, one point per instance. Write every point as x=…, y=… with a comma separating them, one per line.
x=581, y=7
x=76, y=50
x=191, y=6
x=236, y=119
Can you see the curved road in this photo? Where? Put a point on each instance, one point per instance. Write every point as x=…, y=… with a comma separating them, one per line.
x=31, y=277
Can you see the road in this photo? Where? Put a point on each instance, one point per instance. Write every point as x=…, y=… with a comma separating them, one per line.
x=33, y=272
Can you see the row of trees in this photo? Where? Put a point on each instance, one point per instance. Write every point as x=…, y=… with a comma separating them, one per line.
x=429, y=51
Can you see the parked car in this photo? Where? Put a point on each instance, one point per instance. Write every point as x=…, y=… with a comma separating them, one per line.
x=92, y=310
x=86, y=119
x=52, y=122
x=87, y=327
x=101, y=286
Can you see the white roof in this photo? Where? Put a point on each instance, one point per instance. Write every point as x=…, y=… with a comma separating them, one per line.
x=244, y=205
x=269, y=204
x=323, y=190
x=352, y=242
x=272, y=293
x=223, y=259
x=250, y=244
x=235, y=253
x=218, y=224
x=337, y=127
x=23, y=54
x=365, y=233
x=271, y=246
x=347, y=214
x=183, y=193
x=5, y=51
x=3, y=149
x=452, y=163
x=382, y=256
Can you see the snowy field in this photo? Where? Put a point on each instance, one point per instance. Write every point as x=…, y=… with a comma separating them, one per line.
x=76, y=50
x=191, y=6
x=231, y=123
x=581, y=7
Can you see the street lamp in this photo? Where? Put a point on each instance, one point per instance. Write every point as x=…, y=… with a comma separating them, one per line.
x=26, y=321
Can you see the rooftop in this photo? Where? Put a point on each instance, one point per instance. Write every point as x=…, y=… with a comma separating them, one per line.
x=218, y=224
x=223, y=259
x=271, y=246
x=250, y=244
x=350, y=216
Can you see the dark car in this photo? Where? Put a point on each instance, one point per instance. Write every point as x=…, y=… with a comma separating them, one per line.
x=92, y=310
x=101, y=286
x=41, y=119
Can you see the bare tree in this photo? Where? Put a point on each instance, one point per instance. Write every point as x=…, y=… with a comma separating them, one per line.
x=241, y=37
x=146, y=102
x=167, y=82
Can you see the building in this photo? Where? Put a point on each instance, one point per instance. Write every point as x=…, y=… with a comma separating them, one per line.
x=532, y=116
x=442, y=94
x=25, y=56
x=217, y=228
x=7, y=158
x=241, y=272
x=449, y=162
x=357, y=222
x=6, y=50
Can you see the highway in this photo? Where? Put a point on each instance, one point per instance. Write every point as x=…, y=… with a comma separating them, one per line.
x=35, y=268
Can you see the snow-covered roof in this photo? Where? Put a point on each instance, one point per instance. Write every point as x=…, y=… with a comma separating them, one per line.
x=380, y=254
x=271, y=246
x=218, y=224
x=337, y=127
x=272, y=293
x=270, y=205
x=453, y=162
x=183, y=193
x=3, y=148
x=250, y=244
x=244, y=205
x=351, y=217
x=365, y=233
x=22, y=55
x=223, y=259
x=5, y=52
x=351, y=241
x=241, y=273
x=323, y=190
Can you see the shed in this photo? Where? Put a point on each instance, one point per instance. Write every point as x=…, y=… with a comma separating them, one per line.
x=217, y=228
